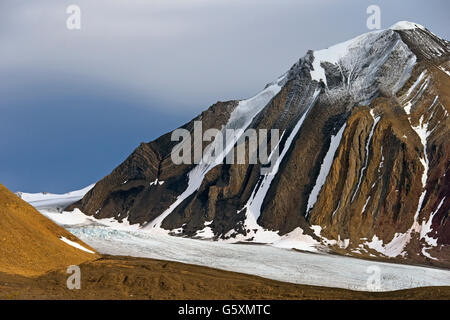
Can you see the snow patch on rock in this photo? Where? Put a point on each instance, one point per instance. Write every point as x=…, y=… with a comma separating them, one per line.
x=76, y=245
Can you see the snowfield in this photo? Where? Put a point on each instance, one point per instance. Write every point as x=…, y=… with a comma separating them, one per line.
x=277, y=261
x=261, y=260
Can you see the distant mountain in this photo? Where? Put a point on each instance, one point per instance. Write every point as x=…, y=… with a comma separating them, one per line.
x=363, y=167
x=51, y=201
x=33, y=245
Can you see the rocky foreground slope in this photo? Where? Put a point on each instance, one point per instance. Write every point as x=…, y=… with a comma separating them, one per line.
x=363, y=167
x=30, y=244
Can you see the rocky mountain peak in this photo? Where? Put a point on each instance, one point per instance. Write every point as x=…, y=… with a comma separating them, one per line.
x=406, y=25
x=363, y=166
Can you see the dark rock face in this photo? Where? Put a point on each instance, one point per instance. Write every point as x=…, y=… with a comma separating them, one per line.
x=147, y=182
x=364, y=158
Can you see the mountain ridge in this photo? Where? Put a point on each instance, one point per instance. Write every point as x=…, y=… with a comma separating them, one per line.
x=348, y=178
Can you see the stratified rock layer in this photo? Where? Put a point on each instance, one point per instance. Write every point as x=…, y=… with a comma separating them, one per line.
x=364, y=158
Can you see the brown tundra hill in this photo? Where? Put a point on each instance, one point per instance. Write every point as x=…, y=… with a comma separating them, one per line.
x=30, y=244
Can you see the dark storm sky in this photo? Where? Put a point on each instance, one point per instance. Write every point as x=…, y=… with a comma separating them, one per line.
x=74, y=104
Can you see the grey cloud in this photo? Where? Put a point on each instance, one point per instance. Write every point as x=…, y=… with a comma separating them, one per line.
x=188, y=52
x=74, y=104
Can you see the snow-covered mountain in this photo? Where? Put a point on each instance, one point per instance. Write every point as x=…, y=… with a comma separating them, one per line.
x=363, y=166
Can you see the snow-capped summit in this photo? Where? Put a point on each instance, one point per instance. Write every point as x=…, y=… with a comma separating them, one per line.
x=406, y=25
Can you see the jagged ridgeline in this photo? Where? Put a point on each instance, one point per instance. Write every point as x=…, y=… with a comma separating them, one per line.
x=363, y=166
